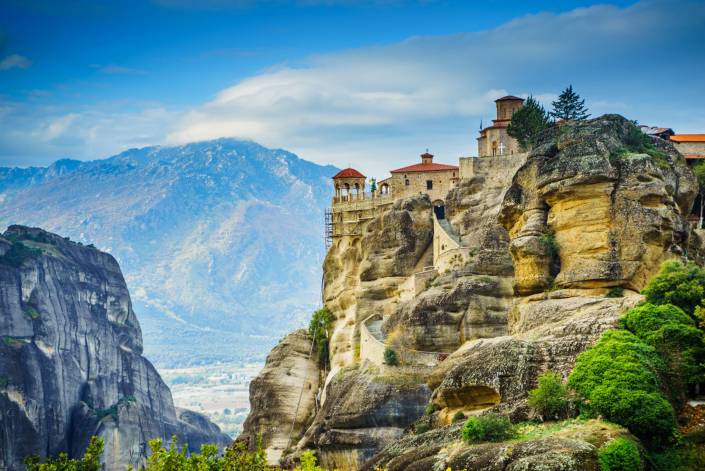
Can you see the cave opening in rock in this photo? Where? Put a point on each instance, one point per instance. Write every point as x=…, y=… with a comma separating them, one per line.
x=472, y=397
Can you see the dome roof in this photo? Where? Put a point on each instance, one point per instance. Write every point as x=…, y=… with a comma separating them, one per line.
x=348, y=173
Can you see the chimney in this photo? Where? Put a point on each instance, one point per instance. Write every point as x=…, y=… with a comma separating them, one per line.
x=426, y=158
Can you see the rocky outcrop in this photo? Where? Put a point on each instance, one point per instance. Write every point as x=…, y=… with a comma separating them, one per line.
x=70, y=358
x=604, y=202
x=366, y=408
x=362, y=275
x=571, y=448
x=288, y=380
x=597, y=205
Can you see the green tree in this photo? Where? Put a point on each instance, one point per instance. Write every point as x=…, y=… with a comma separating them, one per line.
x=699, y=172
x=682, y=285
x=569, y=106
x=319, y=329
x=527, y=124
x=550, y=398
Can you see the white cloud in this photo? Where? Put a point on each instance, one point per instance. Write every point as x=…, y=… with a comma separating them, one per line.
x=15, y=61
x=113, y=69
x=58, y=126
x=378, y=107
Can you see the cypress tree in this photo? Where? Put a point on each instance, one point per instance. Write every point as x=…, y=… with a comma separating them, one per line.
x=527, y=123
x=569, y=106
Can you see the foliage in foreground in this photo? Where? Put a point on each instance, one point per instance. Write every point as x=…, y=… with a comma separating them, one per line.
x=550, y=398
x=390, y=357
x=89, y=462
x=487, y=428
x=621, y=454
x=176, y=458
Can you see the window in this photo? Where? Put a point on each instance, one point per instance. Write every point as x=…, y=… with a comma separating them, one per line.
x=406, y=182
x=429, y=184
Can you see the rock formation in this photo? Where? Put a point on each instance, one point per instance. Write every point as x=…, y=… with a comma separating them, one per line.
x=544, y=237
x=70, y=358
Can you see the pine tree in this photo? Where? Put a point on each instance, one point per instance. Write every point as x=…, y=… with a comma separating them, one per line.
x=569, y=106
x=527, y=123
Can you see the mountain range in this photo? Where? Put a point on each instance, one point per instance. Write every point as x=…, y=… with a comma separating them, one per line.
x=221, y=241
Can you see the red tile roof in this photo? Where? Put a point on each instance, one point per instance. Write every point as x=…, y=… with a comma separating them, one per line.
x=348, y=173
x=424, y=168
x=694, y=156
x=688, y=137
x=509, y=98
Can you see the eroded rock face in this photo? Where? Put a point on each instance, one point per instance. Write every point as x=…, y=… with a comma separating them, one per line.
x=362, y=275
x=611, y=211
x=555, y=328
x=573, y=448
x=288, y=374
x=70, y=359
x=365, y=410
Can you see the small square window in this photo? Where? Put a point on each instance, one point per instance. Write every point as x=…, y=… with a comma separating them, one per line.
x=429, y=184
x=406, y=182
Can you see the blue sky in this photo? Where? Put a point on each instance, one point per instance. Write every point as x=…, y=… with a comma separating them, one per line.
x=365, y=83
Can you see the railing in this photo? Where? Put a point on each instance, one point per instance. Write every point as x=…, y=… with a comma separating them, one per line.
x=372, y=349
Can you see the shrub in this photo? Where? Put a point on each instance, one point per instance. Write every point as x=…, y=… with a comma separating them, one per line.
x=528, y=123
x=18, y=253
x=685, y=457
x=308, y=462
x=674, y=335
x=459, y=416
x=620, y=454
x=619, y=379
x=615, y=292
x=677, y=284
x=319, y=329
x=550, y=398
x=422, y=427
x=390, y=357
x=488, y=427
x=430, y=408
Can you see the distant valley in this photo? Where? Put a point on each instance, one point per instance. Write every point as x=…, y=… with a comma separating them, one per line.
x=221, y=242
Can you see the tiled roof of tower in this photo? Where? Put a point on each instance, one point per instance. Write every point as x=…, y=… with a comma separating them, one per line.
x=424, y=168
x=688, y=137
x=348, y=173
x=509, y=98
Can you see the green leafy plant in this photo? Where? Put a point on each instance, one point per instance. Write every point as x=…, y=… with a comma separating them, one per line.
x=89, y=462
x=459, y=416
x=421, y=427
x=488, y=427
x=675, y=337
x=550, y=398
x=620, y=454
x=679, y=284
x=390, y=357
x=527, y=123
x=31, y=312
x=319, y=329
x=619, y=378
x=430, y=408
x=615, y=292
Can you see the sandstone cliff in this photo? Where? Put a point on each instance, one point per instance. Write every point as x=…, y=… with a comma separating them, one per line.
x=70, y=358
x=543, y=238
